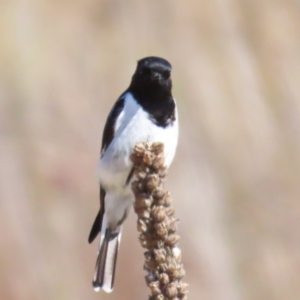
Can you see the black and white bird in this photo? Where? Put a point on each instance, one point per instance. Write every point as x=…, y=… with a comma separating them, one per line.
x=145, y=112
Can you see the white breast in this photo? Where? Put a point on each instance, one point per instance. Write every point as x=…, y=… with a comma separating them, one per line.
x=133, y=126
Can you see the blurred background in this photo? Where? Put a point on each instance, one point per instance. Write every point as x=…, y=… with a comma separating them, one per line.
x=235, y=179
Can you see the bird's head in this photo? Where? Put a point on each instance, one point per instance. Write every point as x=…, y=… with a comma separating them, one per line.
x=153, y=71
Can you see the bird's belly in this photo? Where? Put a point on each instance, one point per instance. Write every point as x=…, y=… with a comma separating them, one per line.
x=115, y=165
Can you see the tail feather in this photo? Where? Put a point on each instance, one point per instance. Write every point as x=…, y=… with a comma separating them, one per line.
x=96, y=226
x=107, y=258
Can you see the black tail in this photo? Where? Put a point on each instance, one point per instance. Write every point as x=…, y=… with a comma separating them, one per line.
x=106, y=261
x=96, y=228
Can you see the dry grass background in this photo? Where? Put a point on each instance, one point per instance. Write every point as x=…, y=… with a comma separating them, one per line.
x=235, y=179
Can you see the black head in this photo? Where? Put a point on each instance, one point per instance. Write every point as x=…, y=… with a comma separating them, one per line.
x=152, y=72
x=151, y=87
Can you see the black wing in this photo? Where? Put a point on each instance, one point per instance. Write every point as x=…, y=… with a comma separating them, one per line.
x=109, y=129
x=108, y=135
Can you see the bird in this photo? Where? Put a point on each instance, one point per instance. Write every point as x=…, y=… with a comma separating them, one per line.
x=145, y=112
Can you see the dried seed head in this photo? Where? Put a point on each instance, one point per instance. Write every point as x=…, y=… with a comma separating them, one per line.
x=181, y=273
x=151, y=182
x=182, y=289
x=172, y=240
x=135, y=187
x=158, y=194
x=138, y=153
x=144, y=214
x=167, y=199
x=170, y=212
x=171, y=268
x=148, y=158
x=171, y=290
x=141, y=175
x=159, y=255
x=157, y=224
x=157, y=148
x=159, y=297
x=158, y=163
x=173, y=225
x=164, y=278
x=158, y=213
x=177, y=273
x=161, y=229
x=154, y=288
x=162, y=172
x=139, y=148
x=177, y=253
x=142, y=201
x=141, y=225
x=150, y=265
x=144, y=243
x=149, y=278
x=148, y=255
x=163, y=267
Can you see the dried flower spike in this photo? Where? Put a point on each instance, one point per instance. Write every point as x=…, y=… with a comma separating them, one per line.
x=157, y=224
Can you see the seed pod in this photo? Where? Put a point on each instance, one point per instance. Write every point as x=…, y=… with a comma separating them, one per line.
x=159, y=255
x=158, y=213
x=167, y=199
x=157, y=148
x=154, y=288
x=164, y=278
x=142, y=227
x=161, y=229
x=148, y=158
x=172, y=240
x=152, y=182
x=171, y=290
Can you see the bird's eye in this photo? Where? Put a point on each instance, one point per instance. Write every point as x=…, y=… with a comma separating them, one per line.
x=166, y=74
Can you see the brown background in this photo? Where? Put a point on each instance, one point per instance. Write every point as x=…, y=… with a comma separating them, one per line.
x=235, y=179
